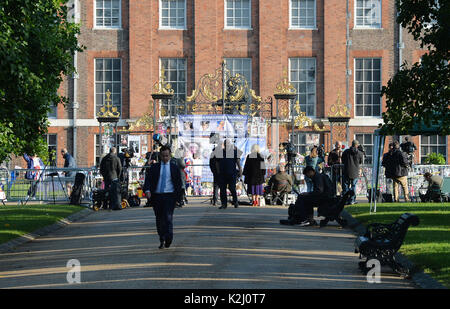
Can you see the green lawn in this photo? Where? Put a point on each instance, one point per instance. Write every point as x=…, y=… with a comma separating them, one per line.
x=18, y=220
x=428, y=244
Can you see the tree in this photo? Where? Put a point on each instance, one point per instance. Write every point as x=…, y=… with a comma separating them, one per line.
x=420, y=94
x=37, y=43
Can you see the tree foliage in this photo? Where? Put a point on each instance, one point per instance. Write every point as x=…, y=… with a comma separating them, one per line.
x=37, y=43
x=420, y=93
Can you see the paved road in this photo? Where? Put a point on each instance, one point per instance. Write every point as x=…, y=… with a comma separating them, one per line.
x=232, y=248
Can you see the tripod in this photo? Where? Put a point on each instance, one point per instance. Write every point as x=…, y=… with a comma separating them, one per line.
x=52, y=175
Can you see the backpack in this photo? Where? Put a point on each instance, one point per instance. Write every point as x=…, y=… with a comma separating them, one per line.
x=75, y=196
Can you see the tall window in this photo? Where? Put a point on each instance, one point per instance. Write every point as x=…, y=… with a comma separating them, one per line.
x=368, y=14
x=172, y=14
x=303, y=77
x=303, y=14
x=108, y=76
x=52, y=148
x=238, y=14
x=433, y=143
x=108, y=13
x=175, y=74
x=299, y=143
x=303, y=142
x=241, y=66
x=52, y=113
x=366, y=140
x=368, y=87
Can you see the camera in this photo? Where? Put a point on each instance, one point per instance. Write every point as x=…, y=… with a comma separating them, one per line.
x=321, y=151
x=128, y=153
x=361, y=148
x=289, y=148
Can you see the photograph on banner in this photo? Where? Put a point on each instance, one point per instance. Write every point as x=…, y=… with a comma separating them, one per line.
x=134, y=142
x=312, y=139
x=203, y=125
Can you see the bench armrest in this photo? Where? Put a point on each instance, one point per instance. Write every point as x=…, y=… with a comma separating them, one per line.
x=378, y=231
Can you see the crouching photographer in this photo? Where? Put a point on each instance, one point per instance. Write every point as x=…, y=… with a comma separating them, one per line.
x=302, y=212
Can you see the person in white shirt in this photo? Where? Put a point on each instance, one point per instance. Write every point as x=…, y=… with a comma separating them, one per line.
x=197, y=174
x=163, y=186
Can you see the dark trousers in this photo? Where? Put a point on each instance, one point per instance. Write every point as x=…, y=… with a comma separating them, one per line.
x=230, y=182
x=163, y=207
x=215, y=188
x=113, y=188
x=349, y=184
x=304, y=206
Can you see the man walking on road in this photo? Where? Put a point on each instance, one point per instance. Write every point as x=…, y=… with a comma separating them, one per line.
x=163, y=185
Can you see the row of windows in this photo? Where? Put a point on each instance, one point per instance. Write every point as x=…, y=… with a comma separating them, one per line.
x=428, y=144
x=302, y=75
x=302, y=14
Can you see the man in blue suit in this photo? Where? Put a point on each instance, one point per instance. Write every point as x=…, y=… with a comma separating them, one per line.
x=163, y=185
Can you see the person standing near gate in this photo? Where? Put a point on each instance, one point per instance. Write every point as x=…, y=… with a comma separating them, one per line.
x=69, y=162
x=399, y=171
x=228, y=158
x=163, y=185
x=110, y=169
x=352, y=159
x=213, y=167
x=254, y=172
x=334, y=162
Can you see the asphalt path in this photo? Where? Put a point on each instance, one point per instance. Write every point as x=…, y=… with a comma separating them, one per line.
x=235, y=248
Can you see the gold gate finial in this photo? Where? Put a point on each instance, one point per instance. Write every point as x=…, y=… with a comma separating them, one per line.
x=339, y=109
x=284, y=86
x=108, y=110
x=161, y=86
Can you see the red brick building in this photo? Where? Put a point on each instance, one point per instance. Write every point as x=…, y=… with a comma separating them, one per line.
x=328, y=48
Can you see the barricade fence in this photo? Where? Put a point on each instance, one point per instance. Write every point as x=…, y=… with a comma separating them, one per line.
x=55, y=184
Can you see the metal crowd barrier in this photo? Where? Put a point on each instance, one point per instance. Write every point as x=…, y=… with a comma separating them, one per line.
x=48, y=185
x=52, y=184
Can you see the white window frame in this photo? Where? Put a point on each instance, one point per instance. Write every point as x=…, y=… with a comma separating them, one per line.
x=250, y=69
x=119, y=27
x=47, y=136
x=53, y=113
x=314, y=116
x=104, y=94
x=420, y=149
x=364, y=146
x=354, y=87
x=167, y=78
x=356, y=26
x=306, y=146
x=162, y=27
x=291, y=27
x=249, y=27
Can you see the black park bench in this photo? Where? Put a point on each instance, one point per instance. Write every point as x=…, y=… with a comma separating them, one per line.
x=382, y=241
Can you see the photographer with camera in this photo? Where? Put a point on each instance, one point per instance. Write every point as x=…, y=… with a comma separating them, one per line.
x=290, y=153
x=313, y=160
x=335, y=161
x=352, y=159
x=409, y=148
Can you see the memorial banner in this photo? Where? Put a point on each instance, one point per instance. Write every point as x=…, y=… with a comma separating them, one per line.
x=197, y=137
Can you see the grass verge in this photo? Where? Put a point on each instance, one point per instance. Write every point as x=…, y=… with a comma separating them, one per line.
x=428, y=244
x=19, y=220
